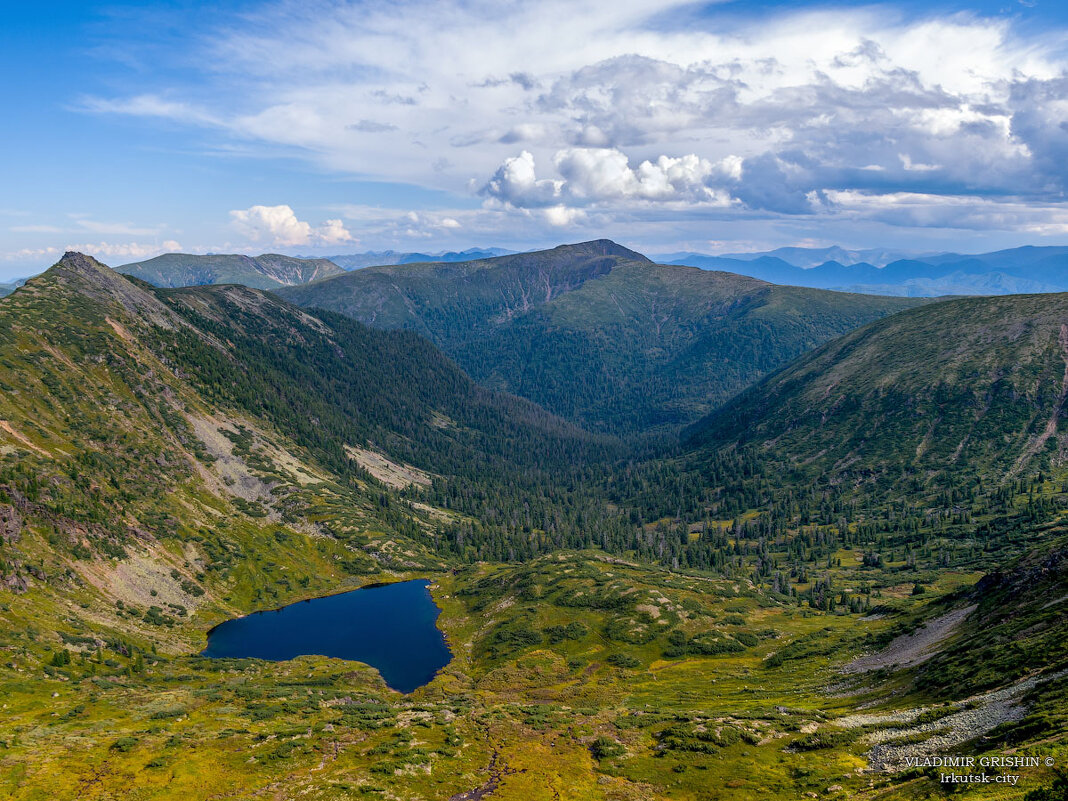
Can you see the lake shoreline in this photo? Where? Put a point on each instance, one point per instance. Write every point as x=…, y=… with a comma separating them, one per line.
x=331, y=594
x=393, y=631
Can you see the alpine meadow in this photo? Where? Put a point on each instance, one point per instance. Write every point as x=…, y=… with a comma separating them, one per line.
x=643, y=401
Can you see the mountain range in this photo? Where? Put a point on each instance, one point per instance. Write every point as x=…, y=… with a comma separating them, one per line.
x=805, y=257
x=1018, y=270
x=268, y=271
x=371, y=258
x=877, y=271
x=845, y=547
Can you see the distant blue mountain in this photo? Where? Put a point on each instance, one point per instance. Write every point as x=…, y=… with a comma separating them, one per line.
x=814, y=257
x=373, y=258
x=7, y=289
x=1004, y=272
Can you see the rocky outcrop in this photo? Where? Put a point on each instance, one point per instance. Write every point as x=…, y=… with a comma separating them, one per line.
x=15, y=583
x=10, y=524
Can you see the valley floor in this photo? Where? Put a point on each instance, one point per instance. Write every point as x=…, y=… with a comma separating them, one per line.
x=525, y=711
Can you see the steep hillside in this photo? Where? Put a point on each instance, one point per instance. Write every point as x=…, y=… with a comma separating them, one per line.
x=268, y=271
x=974, y=386
x=134, y=503
x=331, y=382
x=597, y=333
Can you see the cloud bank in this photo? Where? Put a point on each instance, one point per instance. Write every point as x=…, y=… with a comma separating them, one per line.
x=588, y=111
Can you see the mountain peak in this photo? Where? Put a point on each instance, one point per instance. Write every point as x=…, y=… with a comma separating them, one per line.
x=80, y=263
x=86, y=276
x=606, y=247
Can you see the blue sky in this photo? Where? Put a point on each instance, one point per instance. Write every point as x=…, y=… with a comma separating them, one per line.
x=333, y=127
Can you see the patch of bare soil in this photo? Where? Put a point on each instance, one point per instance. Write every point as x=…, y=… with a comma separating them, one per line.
x=21, y=439
x=143, y=579
x=392, y=474
x=236, y=476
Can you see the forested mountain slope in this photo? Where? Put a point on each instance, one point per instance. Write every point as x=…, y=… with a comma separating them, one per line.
x=331, y=382
x=597, y=333
x=442, y=300
x=975, y=386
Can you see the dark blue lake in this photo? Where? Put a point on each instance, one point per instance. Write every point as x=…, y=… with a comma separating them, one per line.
x=392, y=627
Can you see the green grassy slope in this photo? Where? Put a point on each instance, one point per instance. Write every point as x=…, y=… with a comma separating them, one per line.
x=599, y=334
x=268, y=271
x=574, y=677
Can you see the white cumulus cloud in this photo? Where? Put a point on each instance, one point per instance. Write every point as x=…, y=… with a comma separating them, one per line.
x=590, y=176
x=333, y=232
x=561, y=216
x=278, y=226
x=605, y=173
x=516, y=182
